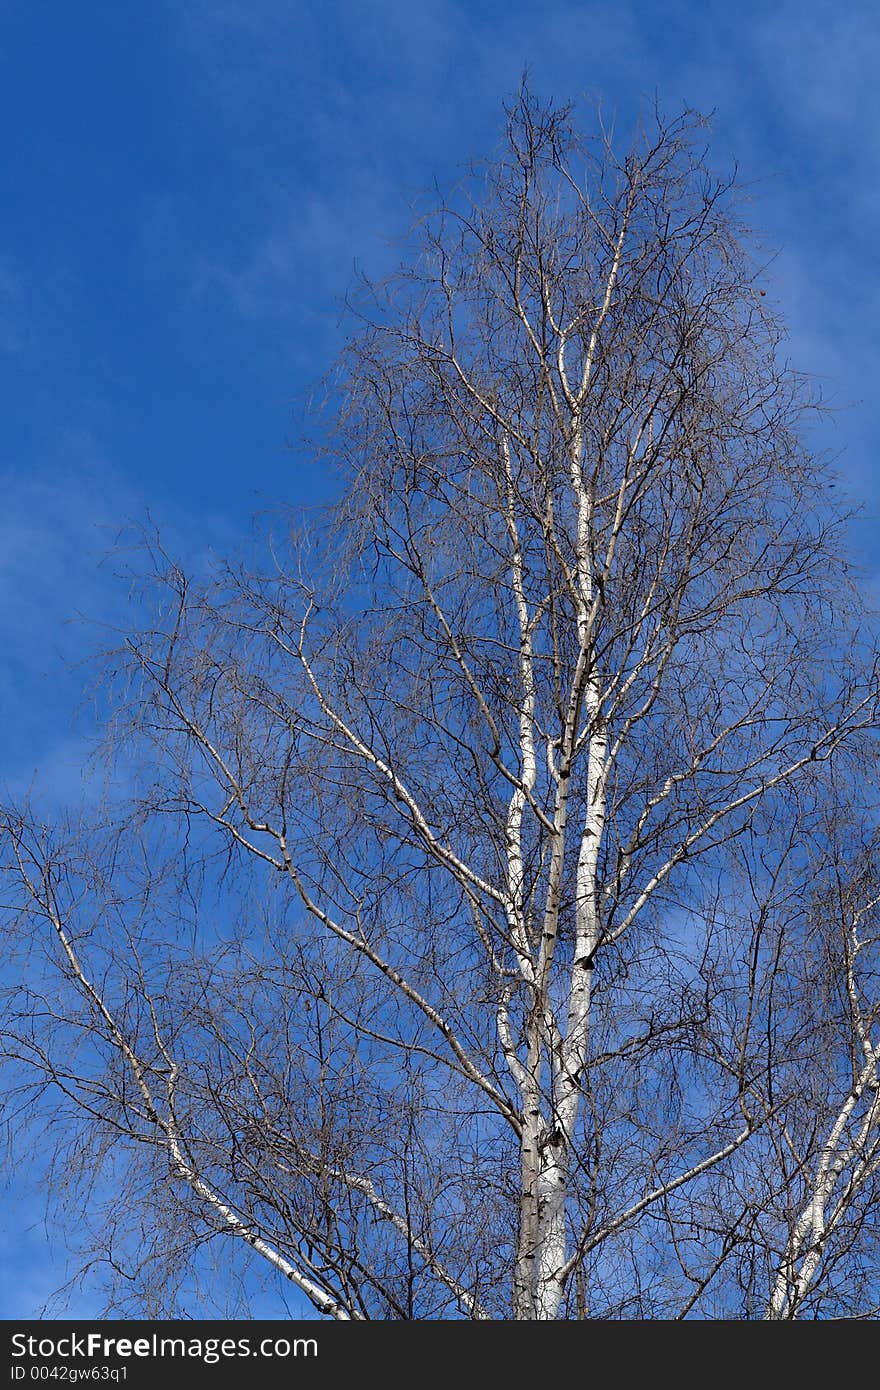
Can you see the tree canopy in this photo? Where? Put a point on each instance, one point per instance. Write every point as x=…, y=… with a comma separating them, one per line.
x=492, y=931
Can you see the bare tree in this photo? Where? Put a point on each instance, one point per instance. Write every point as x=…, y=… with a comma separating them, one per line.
x=493, y=933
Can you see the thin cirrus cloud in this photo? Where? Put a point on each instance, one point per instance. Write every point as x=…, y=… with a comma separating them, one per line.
x=56, y=529
x=789, y=87
x=351, y=110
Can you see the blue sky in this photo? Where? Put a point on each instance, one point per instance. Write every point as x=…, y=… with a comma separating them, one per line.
x=187, y=188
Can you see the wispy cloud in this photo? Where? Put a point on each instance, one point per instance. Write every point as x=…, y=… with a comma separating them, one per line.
x=56, y=528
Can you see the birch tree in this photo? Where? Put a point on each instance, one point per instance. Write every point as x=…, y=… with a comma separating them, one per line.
x=460, y=954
